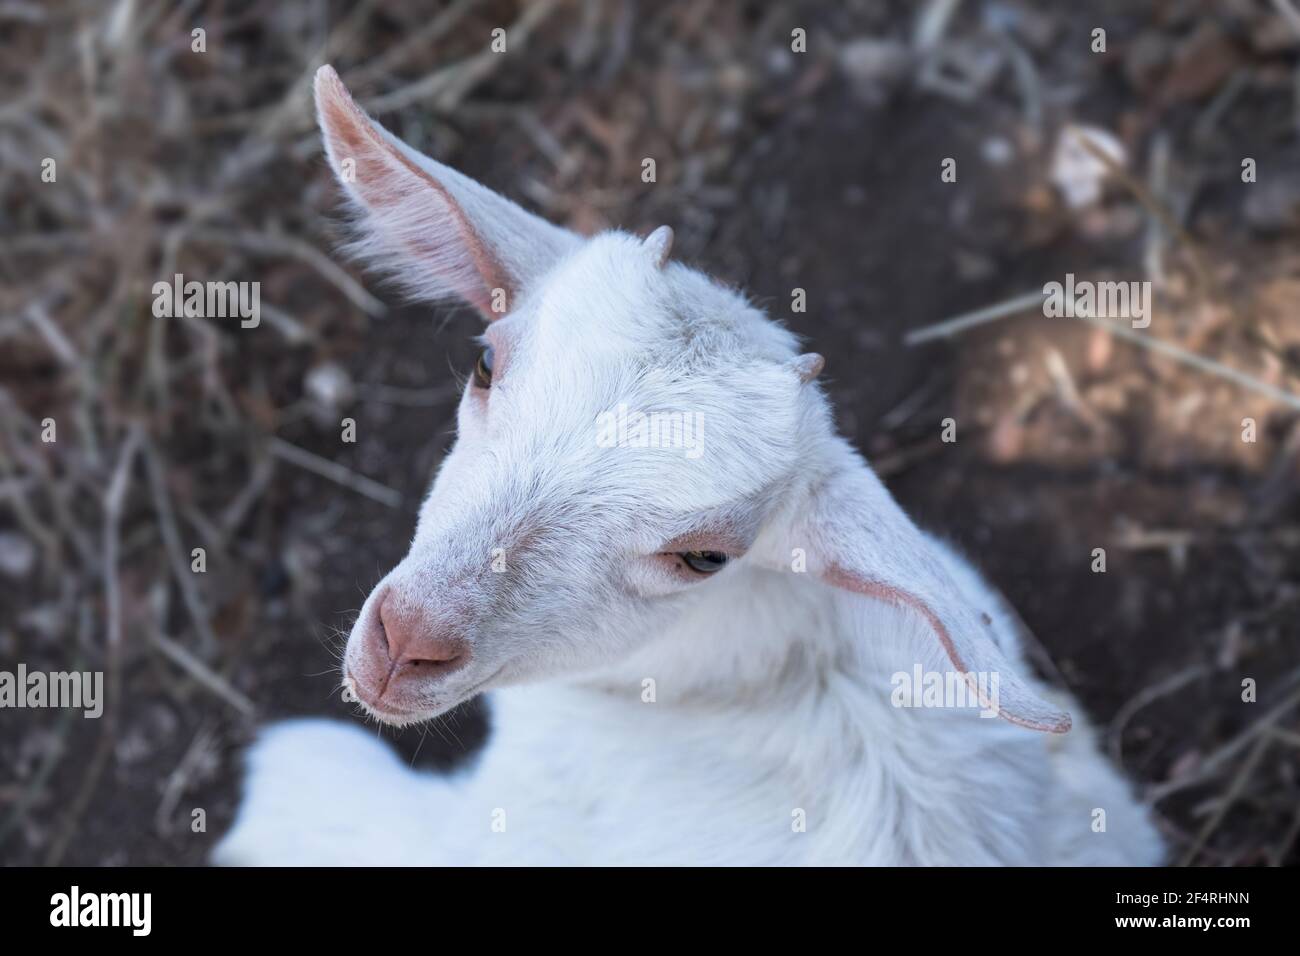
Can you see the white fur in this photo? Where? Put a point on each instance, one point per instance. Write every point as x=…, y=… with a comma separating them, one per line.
x=586, y=773
x=772, y=678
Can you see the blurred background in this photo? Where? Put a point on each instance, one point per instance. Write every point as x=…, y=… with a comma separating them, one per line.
x=779, y=169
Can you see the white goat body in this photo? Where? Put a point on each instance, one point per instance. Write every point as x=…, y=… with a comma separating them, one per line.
x=643, y=713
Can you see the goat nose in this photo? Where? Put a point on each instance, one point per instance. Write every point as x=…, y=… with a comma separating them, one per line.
x=415, y=639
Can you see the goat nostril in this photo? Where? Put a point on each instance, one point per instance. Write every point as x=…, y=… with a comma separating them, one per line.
x=436, y=660
x=384, y=639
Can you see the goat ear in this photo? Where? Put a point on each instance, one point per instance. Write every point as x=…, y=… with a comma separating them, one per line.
x=860, y=540
x=441, y=233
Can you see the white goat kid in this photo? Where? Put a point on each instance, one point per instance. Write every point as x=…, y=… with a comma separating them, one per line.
x=693, y=657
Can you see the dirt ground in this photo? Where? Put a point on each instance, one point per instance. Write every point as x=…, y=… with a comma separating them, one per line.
x=779, y=170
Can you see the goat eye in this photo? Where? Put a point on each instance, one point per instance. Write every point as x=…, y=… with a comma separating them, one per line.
x=483, y=369
x=704, y=562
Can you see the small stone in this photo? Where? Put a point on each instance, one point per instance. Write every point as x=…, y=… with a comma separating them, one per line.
x=997, y=151
x=329, y=385
x=1077, y=172
x=17, y=555
x=780, y=61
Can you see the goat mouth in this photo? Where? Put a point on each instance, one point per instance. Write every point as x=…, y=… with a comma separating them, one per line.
x=386, y=712
x=398, y=716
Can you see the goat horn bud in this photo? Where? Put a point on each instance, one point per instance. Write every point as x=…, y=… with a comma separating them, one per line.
x=808, y=366
x=659, y=244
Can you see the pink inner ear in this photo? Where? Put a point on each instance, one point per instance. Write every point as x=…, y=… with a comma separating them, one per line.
x=389, y=184
x=1029, y=713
